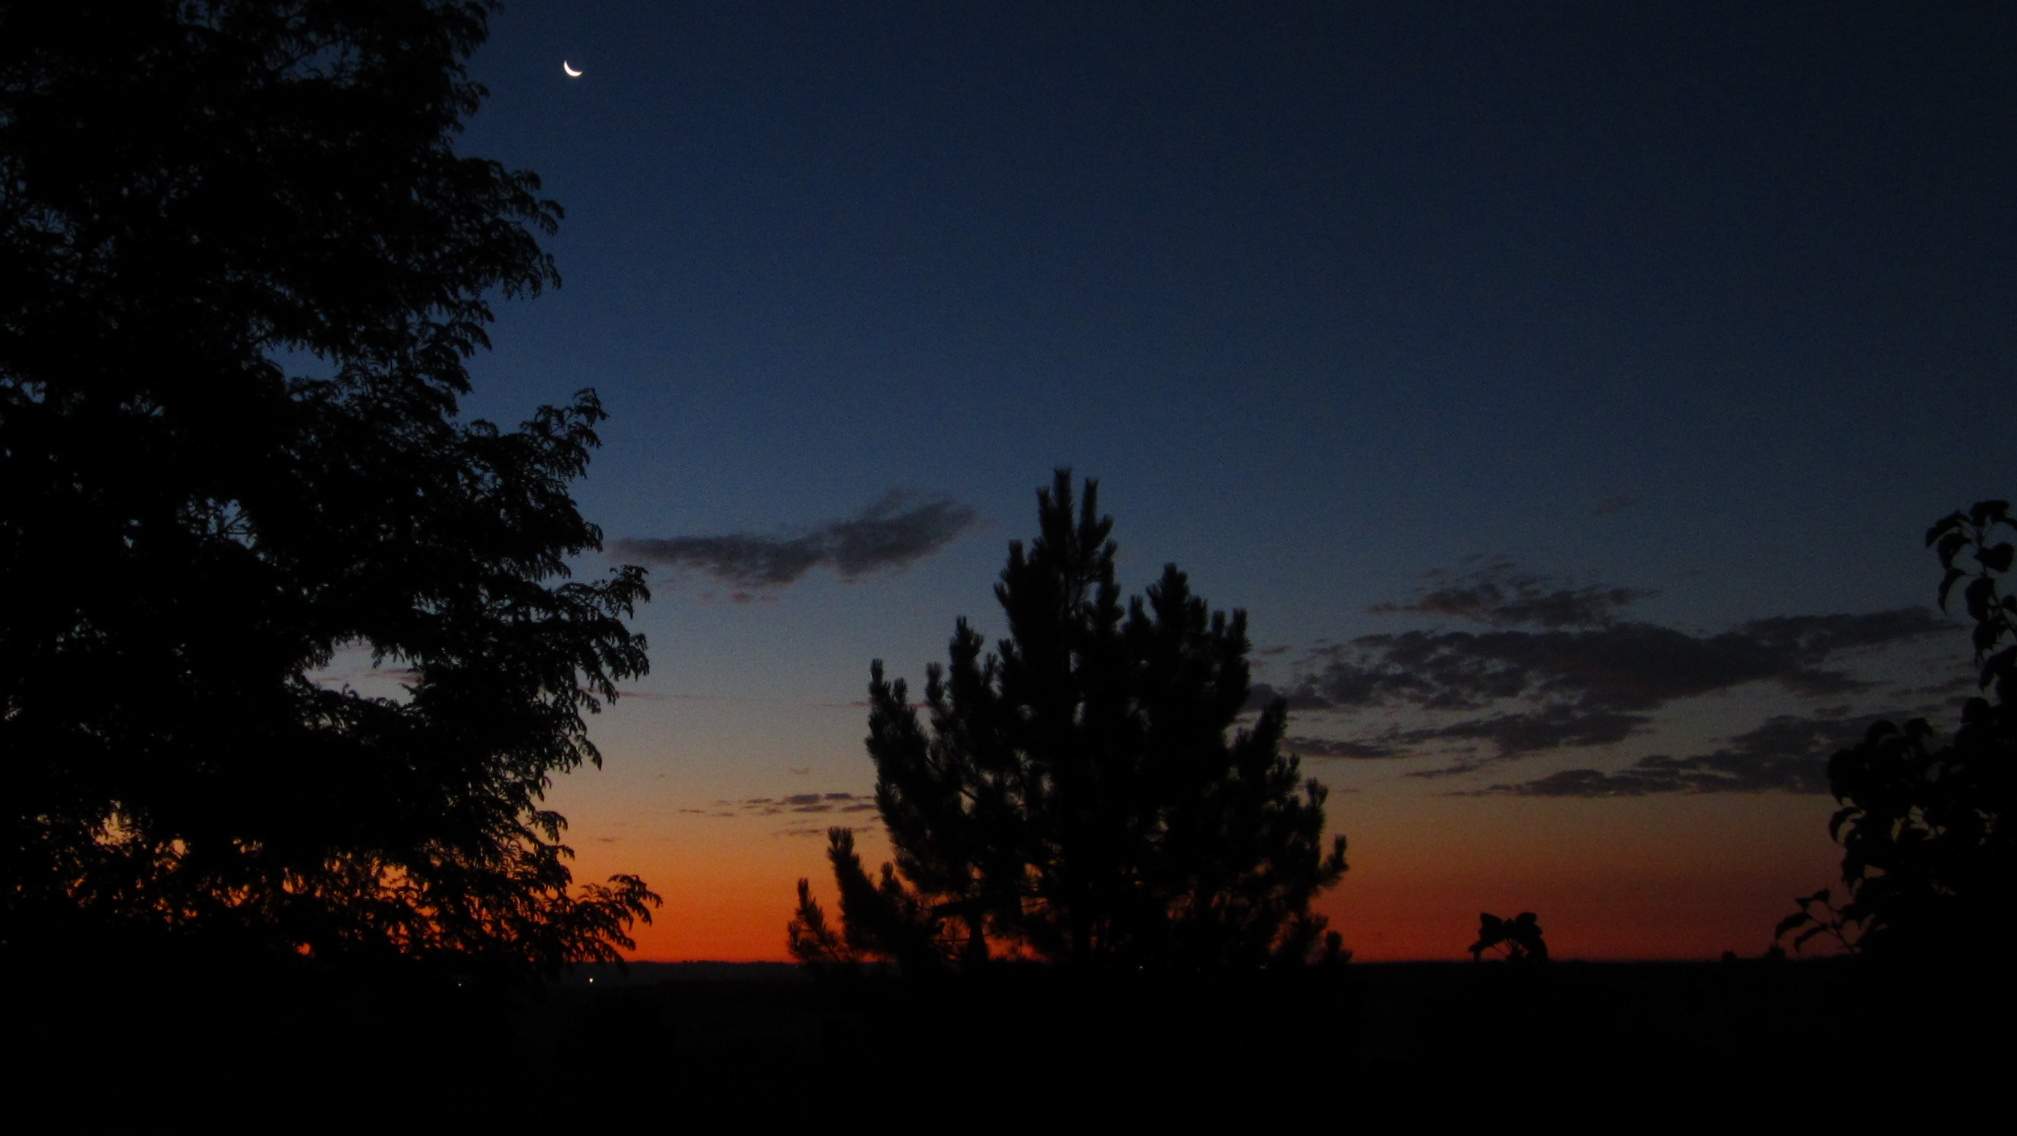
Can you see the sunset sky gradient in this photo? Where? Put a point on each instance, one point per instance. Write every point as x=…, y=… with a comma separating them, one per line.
x=1562, y=390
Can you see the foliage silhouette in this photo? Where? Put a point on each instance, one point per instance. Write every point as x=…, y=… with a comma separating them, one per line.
x=1818, y=915
x=1076, y=795
x=1517, y=939
x=1927, y=853
x=196, y=199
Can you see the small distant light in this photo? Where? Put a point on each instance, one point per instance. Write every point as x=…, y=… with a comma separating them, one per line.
x=591, y=980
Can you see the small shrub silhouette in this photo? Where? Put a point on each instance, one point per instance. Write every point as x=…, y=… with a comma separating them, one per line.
x=1516, y=940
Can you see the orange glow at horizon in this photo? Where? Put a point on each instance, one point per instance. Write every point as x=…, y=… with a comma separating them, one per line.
x=1646, y=878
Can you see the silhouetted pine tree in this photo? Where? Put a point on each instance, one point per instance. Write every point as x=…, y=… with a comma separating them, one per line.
x=1083, y=793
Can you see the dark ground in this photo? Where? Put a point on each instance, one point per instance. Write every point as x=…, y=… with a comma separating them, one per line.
x=1017, y=1047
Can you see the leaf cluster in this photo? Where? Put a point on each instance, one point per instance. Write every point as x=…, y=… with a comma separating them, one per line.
x=1818, y=915
x=1975, y=532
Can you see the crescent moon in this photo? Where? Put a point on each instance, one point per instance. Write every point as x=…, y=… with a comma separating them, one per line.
x=571, y=72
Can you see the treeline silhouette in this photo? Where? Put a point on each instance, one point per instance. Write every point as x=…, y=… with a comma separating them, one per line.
x=242, y=272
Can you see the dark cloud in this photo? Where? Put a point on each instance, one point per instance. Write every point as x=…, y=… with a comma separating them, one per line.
x=1457, y=770
x=788, y=804
x=1719, y=772
x=1787, y=753
x=1614, y=504
x=1625, y=667
x=1959, y=685
x=1337, y=747
x=1555, y=726
x=1814, y=637
x=1500, y=595
x=1817, y=682
x=1553, y=668
x=891, y=533
x=1794, y=734
x=1509, y=735
x=1300, y=698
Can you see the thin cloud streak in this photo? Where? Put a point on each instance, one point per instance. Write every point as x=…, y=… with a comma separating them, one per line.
x=788, y=804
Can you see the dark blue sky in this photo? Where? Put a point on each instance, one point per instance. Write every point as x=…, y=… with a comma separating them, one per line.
x=1708, y=302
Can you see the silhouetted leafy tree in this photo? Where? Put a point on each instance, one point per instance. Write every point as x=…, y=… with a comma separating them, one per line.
x=1082, y=793
x=200, y=201
x=1517, y=939
x=1927, y=852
